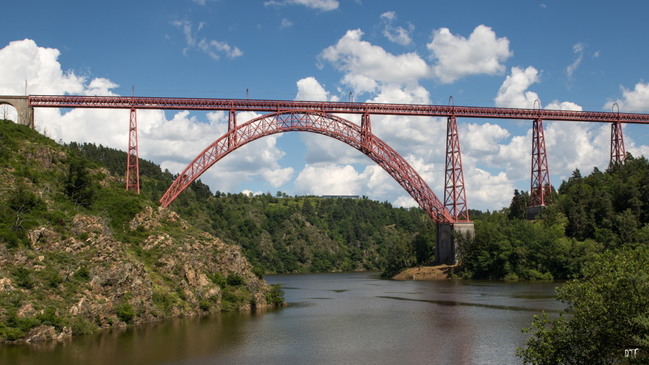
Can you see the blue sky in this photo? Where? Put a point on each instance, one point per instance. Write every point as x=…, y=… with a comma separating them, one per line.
x=582, y=55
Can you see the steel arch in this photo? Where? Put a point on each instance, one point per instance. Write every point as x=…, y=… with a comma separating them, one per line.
x=320, y=123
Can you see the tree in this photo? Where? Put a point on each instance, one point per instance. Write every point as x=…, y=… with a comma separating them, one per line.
x=400, y=256
x=519, y=204
x=607, y=314
x=78, y=184
x=424, y=244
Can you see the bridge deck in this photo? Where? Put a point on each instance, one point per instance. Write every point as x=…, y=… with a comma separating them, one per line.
x=122, y=102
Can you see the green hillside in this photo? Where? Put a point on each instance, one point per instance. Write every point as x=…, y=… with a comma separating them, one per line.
x=604, y=211
x=78, y=253
x=283, y=234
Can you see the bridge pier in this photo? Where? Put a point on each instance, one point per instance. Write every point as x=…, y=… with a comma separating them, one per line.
x=447, y=248
x=618, y=153
x=24, y=110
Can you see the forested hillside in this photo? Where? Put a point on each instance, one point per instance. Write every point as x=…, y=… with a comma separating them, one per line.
x=602, y=211
x=283, y=234
x=587, y=215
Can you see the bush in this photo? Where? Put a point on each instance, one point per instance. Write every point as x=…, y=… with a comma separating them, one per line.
x=163, y=301
x=120, y=207
x=218, y=279
x=23, y=201
x=125, y=312
x=83, y=274
x=234, y=298
x=205, y=304
x=275, y=296
x=235, y=280
x=51, y=277
x=82, y=326
x=23, y=278
x=607, y=313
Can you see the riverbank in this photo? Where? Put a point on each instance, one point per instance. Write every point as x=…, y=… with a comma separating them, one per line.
x=59, y=287
x=336, y=318
x=439, y=272
x=79, y=254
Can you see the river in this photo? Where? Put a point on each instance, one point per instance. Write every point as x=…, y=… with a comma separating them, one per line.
x=346, y=318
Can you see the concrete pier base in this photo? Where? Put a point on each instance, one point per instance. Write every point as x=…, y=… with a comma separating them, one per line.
x=24, y=110
x=532, y=212
x=447, y=248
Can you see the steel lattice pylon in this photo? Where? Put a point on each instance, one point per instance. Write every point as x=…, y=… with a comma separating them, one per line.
x=540, y=189
x=454, y=191
x=132, y=160
x=618, y=153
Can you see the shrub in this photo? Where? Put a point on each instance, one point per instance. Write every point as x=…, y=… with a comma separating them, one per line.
x=51, y=277
x=125, y=312
x=23, y=278
x=275, y=296
x=204, y=304
x=82, y=326
x=235, y=280
x=163, y=301
x=233, y=298
x=83, y=274
x=218, y=279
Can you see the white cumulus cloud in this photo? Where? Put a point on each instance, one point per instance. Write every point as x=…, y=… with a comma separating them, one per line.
x=482, y=138
x=365, y=65
x=328, y=179
x=514, y=93
x=171, y=141
x=632, y=101
x=457, y=56
x=24, y=61
x=309, y=88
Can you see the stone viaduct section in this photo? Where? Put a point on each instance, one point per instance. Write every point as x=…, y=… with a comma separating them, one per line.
x=24, y=109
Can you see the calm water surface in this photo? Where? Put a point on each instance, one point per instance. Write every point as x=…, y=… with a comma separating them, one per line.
x=347, y=318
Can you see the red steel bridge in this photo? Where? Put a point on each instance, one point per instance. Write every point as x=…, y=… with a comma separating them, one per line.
x=278, y=116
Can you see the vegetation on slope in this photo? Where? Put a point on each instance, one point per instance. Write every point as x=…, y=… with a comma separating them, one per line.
x=602, y=222
x=283, y=234
x=607, y=319
x=78, y=253
x=600, y=212
x=279, y=233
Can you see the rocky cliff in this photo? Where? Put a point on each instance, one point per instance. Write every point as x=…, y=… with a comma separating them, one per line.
x=61, y=286
x=78, y=254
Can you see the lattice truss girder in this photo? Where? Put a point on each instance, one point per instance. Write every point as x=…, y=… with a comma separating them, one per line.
x=359, y=137
x=618, y=152
x=132, y=160
x=540, y=187
x=540, y=181
x=454, y=191
x=274, y=106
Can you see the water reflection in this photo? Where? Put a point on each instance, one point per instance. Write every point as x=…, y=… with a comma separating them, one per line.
x=454, y=303
x=332, y=318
